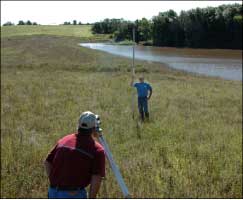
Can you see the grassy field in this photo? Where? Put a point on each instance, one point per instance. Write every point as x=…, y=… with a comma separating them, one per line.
x=191, y=148
x=81, y=31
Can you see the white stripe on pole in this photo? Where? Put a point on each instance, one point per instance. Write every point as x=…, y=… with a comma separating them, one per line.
x=114, y=167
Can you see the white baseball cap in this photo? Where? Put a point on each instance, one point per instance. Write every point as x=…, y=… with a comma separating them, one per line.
x=87, y=120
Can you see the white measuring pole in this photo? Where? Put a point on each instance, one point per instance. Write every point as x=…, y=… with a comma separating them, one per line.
x=133, y=50
x=133, y=69
x=114, y=167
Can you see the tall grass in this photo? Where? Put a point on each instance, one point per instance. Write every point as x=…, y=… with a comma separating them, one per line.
x=191, y=148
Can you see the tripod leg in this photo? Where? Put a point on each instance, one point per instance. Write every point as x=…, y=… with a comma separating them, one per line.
x=114, y=167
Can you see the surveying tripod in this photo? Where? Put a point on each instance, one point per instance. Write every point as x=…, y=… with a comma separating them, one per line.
x=112, y=163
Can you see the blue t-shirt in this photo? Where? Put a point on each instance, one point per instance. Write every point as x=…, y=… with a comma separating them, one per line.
x=142, y=89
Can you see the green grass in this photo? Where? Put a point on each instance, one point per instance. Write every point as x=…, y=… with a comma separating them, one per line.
x=81, y=31
x=191, y=148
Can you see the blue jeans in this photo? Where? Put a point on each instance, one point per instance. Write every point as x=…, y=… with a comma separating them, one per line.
x=54, y=193
x=143, y=107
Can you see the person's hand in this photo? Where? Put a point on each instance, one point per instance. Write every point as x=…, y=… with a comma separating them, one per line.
x=95, y=134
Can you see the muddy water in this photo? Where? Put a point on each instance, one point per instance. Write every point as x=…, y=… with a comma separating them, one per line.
x=226, y=64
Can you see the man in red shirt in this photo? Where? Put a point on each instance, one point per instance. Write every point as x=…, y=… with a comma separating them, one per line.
x=76, y=161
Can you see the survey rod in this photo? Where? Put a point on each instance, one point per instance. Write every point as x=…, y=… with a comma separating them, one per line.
x=133, y=70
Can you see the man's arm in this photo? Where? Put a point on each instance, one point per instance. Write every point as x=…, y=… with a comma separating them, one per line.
x=150, y=93
x=48, y=167
x=49, y=159
x=94, y=186
x=97, y=171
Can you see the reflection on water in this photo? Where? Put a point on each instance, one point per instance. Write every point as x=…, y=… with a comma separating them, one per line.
x=222, y=63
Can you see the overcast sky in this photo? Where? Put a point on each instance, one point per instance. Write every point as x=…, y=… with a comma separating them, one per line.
x=56, y=12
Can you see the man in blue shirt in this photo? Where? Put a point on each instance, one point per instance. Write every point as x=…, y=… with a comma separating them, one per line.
x=144, y=91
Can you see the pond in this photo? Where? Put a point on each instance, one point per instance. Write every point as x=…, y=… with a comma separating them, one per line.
x=226, y=64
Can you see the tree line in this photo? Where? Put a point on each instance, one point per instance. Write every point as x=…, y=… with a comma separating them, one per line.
x=21, y=22
x=28, y=22
x=75, y=22
x=211, y=27
x=72, y=23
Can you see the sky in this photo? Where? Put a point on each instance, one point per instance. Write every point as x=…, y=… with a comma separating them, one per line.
x=57, y=12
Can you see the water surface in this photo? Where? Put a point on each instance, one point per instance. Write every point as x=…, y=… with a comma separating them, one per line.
x=226, y=64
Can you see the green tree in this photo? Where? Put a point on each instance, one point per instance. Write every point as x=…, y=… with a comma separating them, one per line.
x=165, y=29
x=107, y=26
x=144, y=30
x=124, y=32
x=8, y=24
x=211, y=27
x=21, y=22
x=28, y=22
x=67, y=23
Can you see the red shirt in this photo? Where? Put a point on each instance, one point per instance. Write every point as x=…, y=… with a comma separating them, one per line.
x=75, y=159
